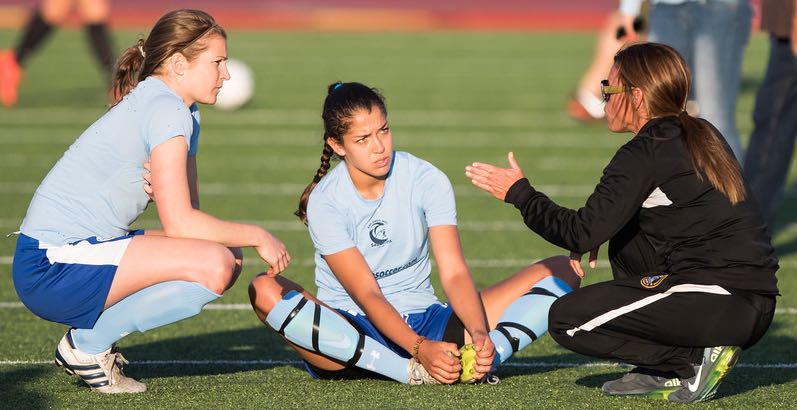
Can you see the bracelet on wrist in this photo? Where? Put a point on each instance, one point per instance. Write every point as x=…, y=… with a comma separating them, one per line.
x=417, y=346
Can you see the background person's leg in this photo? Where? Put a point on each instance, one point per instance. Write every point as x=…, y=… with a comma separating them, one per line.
x=722, y=30
x=771, y=148
x=587, y=104
x=95, y=14
x=673, y=25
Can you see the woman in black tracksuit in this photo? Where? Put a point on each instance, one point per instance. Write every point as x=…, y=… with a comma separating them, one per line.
x=694, y=268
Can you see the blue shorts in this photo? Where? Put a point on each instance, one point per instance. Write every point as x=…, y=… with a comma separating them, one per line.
x=67, y=284
x=434, y=323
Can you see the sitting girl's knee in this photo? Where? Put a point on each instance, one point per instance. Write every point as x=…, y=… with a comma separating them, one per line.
x=257, y=286
x=558, y=260
x=561, y=268
x=264, y=293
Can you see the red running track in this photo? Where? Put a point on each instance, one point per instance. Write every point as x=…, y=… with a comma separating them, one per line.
x=358, y=15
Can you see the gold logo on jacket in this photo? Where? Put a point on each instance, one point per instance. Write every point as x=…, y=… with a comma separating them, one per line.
x=651, y=282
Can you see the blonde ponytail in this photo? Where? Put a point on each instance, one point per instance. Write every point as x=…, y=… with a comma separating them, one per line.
x=126, y=71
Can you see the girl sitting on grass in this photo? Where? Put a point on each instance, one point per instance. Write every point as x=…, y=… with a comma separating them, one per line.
x=372, y=220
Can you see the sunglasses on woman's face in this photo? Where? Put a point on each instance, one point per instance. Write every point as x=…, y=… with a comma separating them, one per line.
x=607, y=90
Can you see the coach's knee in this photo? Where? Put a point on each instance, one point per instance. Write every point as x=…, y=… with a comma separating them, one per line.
x=560, y=320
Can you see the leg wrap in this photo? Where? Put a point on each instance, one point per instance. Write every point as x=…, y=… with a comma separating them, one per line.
x=520, y=330
x=526, y=319
x=316, y=328
x=321, y=330
x=101, y=45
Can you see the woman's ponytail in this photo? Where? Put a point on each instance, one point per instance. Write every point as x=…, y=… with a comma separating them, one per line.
x=711, y=158
x=126, y=71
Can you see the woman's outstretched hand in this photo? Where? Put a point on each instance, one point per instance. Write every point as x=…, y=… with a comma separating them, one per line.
x=492, y=179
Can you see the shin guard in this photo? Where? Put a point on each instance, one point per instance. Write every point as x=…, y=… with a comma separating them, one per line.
x=321, y=330
x=526, y=319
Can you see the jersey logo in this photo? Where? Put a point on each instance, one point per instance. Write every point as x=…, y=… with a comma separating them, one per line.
x=651, y=282
x=377, y=230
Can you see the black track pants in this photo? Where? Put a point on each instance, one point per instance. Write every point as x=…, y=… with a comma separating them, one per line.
x=658, y=322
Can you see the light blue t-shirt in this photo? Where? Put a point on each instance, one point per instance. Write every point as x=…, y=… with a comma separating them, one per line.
x=96, y=188
x=390, y=232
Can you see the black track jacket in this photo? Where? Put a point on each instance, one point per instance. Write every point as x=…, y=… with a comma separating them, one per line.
x=659, y=217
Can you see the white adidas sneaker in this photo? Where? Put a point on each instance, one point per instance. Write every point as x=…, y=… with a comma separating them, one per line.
x=102, y=371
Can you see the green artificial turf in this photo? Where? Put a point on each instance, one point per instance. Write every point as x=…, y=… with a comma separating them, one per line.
x=453, y=98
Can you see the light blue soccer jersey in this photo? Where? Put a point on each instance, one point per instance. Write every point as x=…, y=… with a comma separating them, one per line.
x=391, y=232
x=96, y=188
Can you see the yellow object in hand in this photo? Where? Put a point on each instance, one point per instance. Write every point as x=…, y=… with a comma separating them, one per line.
x=467, y=358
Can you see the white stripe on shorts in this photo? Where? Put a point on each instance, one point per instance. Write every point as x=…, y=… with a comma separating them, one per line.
x=85, y=253
x=612, y=314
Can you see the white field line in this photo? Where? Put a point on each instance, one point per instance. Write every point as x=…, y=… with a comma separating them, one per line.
x=305, y=117
x=293, y=225
x=295, y=189
x=475, y=263
x=247, y=307
x=411, y=140
x=305, y=163
x=270, y=362
x=8, y=225
x=296, y=226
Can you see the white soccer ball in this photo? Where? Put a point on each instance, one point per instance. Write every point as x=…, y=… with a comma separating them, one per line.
x=238, y=90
